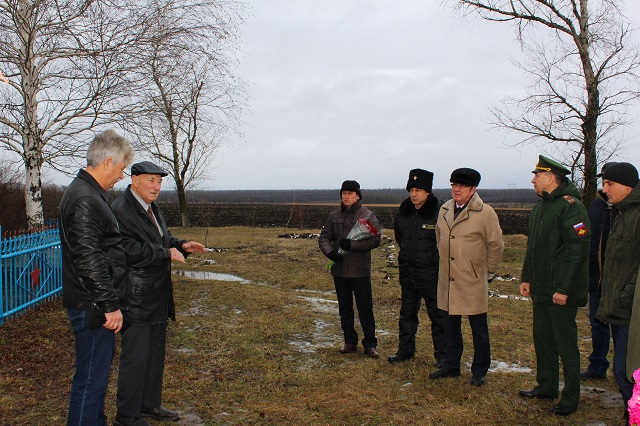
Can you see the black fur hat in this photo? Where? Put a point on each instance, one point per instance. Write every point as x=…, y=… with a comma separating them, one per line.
x=419, y=178
x=351, y=185
x=465, y=176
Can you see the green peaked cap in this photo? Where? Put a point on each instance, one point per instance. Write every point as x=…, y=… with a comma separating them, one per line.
x=546, y=164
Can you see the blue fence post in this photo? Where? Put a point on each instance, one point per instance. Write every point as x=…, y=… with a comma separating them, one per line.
x=31, y=270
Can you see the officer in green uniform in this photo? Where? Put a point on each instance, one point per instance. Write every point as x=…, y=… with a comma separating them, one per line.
x=555, y=275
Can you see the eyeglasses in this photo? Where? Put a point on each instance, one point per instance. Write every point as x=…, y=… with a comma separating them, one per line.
x=459, y=186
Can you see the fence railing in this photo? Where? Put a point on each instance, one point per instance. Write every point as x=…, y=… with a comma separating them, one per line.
x=31, y=269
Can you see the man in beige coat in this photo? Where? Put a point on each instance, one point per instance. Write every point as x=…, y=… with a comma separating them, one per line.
x=470, y=245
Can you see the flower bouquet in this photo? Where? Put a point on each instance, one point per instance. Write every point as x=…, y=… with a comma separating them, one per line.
x=361, y=230
x=633, y=405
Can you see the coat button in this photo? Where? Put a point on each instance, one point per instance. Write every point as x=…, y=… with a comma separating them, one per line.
x=451, y=237
x=452, y=258
x=451, y=279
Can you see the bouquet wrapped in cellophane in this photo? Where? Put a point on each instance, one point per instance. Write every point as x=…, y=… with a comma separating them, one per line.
x=361, y=230
x=633, y=405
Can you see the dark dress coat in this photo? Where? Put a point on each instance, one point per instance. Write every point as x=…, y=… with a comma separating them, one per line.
x=150, y=294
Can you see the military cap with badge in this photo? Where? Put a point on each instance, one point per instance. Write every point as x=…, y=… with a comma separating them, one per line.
x=546, y=164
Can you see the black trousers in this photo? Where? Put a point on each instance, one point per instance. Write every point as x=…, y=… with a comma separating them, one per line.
x=360, y=288
x=481, y=346
x=141, y=369
x=408, y=322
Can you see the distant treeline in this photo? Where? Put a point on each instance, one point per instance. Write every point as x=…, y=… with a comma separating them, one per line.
x=511, y=197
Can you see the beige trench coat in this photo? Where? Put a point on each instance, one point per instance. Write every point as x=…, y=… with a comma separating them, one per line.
x=470, y=247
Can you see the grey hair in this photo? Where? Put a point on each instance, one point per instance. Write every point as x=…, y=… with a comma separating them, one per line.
x=109, y=144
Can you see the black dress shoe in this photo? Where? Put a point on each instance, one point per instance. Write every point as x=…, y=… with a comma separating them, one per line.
x=562, y=410
x=160, y=413
x=443, y=372
x=535, y=394
x=121, y=420
x=399, y=358
x=348, y=348
x=477, y=381
x=589, y=375
x=371, y=353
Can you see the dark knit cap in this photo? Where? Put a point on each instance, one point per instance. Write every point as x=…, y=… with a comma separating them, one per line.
x=351, y=185
x=605, y=166
x=623, y=173
x=419, y=178
x=147, y=168
x=465, y=176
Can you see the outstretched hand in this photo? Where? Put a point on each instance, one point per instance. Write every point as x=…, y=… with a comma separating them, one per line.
x=193, y=247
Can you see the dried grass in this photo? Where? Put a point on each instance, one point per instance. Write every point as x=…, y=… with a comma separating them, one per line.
x=258, y=353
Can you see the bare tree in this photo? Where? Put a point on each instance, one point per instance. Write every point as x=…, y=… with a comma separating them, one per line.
x=190, y=99
x=584, y=76
x=64, y=62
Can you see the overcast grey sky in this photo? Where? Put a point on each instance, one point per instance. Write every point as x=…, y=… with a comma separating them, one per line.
x=367, y=90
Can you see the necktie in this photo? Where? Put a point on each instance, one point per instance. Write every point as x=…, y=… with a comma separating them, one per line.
x=153, y=218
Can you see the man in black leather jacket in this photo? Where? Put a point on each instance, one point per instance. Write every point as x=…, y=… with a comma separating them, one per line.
x=93, y=273
x=149, y=248
x=415, y=232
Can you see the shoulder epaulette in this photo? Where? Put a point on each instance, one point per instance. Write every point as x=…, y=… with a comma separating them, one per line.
x=569, y=199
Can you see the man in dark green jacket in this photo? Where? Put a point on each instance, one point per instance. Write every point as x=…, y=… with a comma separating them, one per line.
x=621, y=263
x=555, y=275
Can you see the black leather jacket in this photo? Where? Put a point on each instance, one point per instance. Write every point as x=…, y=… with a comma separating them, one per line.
x=150, y=289
x=93, y=263
x=415, y=232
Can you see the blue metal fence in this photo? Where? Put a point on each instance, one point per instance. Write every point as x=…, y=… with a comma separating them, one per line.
x=31, y=270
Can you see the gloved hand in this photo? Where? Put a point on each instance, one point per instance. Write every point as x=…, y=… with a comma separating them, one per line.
x=490, y=277
x=345, y=244
x=335, y=256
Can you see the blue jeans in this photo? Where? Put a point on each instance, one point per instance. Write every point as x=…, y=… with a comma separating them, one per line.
x=600, y=337
x=94, y=353
x=620, y=338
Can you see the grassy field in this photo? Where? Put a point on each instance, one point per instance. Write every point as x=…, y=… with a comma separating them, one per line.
x=266, y=351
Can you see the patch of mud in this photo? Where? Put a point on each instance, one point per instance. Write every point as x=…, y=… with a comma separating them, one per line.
x=506, y=296
x=319, y=338
x=320, y=305
x=216, y=249
x=306, y=235
x=505, y=367
x=609, y=398
x=189, y=419
x=505, y=277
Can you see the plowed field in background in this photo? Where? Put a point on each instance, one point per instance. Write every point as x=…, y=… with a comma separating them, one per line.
x=307, y=216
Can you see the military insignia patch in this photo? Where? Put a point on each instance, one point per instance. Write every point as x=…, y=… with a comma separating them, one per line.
x=427, y=226
x=569, y=199
x=580, y=228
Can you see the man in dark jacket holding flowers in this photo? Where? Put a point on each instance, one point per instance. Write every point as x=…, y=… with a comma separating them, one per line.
x=351, y=268
x=149, y=248
x=555, y=275
x=418, y=260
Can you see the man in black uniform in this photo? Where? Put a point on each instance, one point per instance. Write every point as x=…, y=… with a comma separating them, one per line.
x=415, y=232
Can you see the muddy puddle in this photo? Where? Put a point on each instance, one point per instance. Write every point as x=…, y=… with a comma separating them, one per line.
x=206, y=275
